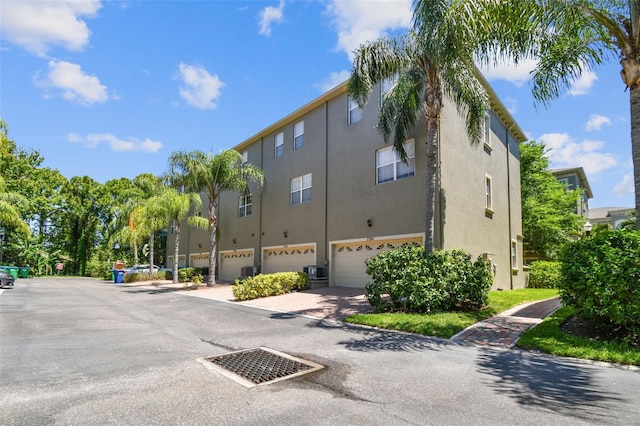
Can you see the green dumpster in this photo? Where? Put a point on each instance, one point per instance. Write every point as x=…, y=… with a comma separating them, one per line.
x=24, y=272
x=12, y=270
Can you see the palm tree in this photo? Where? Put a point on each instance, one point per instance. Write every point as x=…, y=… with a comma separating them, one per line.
x=213, y=174
x=570, y=38
x=176, y=206
x=434, y=59
x=149, y=219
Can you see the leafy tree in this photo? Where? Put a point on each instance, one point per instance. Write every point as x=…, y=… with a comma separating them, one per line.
x=569, y=38
x=9, y=211
x=213, y=174
x=549, y=217
x=435, y=58
x=174, y=207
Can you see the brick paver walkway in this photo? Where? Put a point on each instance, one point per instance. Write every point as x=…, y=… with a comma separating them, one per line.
x=505, y=329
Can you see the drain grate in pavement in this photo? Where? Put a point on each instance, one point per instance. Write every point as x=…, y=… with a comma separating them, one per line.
x=259, y=366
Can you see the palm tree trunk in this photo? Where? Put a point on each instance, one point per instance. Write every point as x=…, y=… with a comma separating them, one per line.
x=176, y=249
x=213, y=241
x=635, y=145
x=433, y=107
x=151, y=240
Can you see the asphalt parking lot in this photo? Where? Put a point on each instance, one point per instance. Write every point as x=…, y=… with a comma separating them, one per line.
x=88, y=352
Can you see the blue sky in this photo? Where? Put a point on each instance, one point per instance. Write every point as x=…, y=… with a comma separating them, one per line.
x=110, y=89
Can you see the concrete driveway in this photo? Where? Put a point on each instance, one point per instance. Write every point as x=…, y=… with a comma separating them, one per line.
x=84, y=352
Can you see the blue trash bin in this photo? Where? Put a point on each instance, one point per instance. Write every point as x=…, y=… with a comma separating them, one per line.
x=118, y=276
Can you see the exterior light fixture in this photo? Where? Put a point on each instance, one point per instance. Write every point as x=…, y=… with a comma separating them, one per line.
x=234, y=241
x=369, y=222
x=284, y=234
x=587, y=228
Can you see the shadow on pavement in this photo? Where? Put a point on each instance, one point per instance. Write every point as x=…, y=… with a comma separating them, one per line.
x=547, y=384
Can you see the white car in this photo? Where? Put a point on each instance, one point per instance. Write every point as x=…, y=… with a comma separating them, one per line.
x=142, y=269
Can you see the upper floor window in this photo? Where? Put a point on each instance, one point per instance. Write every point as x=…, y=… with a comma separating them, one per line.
x=279, y=144
x=390, y=167
x=245, y=204
x=298, y=135
x=355, y=113
x=301, y=189
x=488, y=189
x=245, y=156
x=387, y=84
x=514, y=254
x=487, y=130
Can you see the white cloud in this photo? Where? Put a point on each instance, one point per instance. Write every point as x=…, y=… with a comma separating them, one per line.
x=38, y=25
x=626, y=186
x=268, y=16
x=332, y=80
x=359, y=21
x=116, y=144
x=596, y=122
x=200, y=88
x=74, y=85
x=507, y=70
x=582, y=85
x=566, y=152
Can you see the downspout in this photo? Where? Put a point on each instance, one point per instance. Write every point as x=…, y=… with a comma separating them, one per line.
x=326, y=189
x=261, y=209
x=506, y=132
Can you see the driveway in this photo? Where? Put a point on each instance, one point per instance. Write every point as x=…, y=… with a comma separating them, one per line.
x=85, y=352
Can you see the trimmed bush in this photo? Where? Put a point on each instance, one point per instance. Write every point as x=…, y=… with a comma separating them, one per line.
x=264, y=285
x=405, y=280
x=189, y=275
x=601, y=279
x=543, y=274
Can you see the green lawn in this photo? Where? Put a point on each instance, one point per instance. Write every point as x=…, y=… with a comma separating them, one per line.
x=447, y=324
x=547, y=337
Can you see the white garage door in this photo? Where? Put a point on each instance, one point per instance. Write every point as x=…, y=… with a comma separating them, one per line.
x=288, y=259
x=231, y=263
x=349, y=269
x=200, y=260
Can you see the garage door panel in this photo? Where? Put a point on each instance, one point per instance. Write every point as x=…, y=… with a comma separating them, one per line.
x=289, y=259
x=349, y=268
x=231, y=264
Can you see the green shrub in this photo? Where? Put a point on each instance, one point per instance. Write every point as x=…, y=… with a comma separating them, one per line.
x=543, y=274
x=601, y=279
x=264, y=285
x=98, y=269
x=405, y=280
x=189, y=275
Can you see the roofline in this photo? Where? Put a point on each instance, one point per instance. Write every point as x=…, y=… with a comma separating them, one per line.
x=581, y=175
x=494, y=102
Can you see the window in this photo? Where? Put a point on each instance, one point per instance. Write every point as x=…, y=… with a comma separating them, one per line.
x=514, y=254
x=389, y=167
x=355, y=113
x=279, y=143
x=301, y=189
x=245, y=156
x=487, y=131
x=488, y=194
x=298, y=135
x=244, y=205
x=386, y=85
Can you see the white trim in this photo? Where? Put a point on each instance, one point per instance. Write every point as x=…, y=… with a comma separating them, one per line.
x=488, y=195
x=286, y=246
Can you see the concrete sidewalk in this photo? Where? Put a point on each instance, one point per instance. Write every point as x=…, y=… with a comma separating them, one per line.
x=336, y=303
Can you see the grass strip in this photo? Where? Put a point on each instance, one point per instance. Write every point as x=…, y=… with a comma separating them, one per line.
x=447, y=324
x=547, y=337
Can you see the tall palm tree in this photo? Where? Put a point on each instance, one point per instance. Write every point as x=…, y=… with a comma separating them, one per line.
x=570, y=38
x=213, y=174
x=435, y=58
x=176, y=206
x=141, y=216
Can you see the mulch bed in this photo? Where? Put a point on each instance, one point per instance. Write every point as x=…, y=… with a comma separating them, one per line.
x=590, y=330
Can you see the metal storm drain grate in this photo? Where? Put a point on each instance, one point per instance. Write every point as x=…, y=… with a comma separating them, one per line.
x=259, y=366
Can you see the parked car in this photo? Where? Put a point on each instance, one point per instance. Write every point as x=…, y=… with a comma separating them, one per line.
x=6, y=280
x=142, y=269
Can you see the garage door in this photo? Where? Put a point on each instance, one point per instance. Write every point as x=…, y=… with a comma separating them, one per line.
x=287, y=259
x=231, y=263
x=349, y=269
x=200, y=260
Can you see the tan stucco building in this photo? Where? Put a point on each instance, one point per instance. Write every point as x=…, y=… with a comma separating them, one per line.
x=335, y=194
